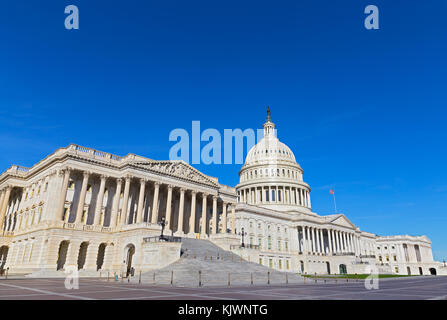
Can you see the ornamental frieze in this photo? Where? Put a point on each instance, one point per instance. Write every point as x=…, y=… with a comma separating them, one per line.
x=178, y=169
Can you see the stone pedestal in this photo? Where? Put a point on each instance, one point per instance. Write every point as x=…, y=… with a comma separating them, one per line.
x=225, y=240
x=157, y=255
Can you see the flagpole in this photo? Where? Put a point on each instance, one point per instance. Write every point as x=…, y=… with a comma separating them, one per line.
x=335, y=203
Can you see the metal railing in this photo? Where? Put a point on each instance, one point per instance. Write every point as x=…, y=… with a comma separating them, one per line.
x=246, y=246
x=344, y=254
x=367, y=256
x=163, y=239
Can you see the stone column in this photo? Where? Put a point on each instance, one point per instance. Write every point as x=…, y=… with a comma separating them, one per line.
x=4, y=206
x=63, y=195
x=181, y=211
x=337, y=235
x=323, y=249
x=169, y=208
x=141, y=200
x=154, y=219
x=100, y=200
x=329, y=240
x=308, y=243
x=351, y=244
x=308, y=199
x=347, y=242
x=345, y=239
x=302, y=245
x=192, y=218
x=204, y=196
x=334, y=241
x=2, y=197
x=233, y=218
x=317, y=240
x=81, y=201
x=357, y=241
x=116, y=202
x=348, y=245
x=224, y=217
x=125, y=201
x=214, y=227
x=313, y=240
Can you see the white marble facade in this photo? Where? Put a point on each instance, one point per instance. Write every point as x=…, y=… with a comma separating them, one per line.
x=94, y=210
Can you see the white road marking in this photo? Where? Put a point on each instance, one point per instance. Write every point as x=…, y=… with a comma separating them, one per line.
x=46, y=292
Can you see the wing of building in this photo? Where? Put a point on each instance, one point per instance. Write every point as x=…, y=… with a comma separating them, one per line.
x=101, y=212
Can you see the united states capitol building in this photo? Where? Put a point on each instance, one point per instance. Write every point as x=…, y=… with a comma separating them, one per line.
x=101, y=212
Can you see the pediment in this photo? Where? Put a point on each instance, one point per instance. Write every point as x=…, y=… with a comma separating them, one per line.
x=180, y=170
x=341, y=220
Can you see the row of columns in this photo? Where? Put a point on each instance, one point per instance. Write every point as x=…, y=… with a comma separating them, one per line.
x=119, y=220
x=4, y=200
x=275, y=195
x=338, y=242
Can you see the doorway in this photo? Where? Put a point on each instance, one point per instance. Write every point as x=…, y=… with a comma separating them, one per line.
x=82, y=255
x=62, y=255
x=130, y=251
x=3, y=256
x=342, y=269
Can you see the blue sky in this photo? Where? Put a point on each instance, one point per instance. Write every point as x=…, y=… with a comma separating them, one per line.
x=363, y=111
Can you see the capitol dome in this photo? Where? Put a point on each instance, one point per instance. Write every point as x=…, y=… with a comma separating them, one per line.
x=271, y=176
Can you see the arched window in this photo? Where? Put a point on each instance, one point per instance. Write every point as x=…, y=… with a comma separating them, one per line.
x=269, y=243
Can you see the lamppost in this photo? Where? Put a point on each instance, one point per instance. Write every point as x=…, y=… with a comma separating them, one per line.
x=242, y=233
x=162, y=223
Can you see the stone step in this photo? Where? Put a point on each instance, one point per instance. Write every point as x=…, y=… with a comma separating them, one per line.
x=216, y=265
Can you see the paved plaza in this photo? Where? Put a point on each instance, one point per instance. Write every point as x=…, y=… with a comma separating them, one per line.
x=414, y=288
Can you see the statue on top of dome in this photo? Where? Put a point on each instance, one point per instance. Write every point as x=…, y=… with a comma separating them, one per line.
x=268, y=114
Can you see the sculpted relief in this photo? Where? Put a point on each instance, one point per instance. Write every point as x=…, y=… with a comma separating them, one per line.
x=178, y=169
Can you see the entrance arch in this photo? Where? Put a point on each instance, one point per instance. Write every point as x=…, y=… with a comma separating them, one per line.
x=3, y=256
x=342, y=269
x=82, y=255
x=432, y=271
x=409, y=271
x=328, y=267
x=128, y=254
x=62, y=254
x=420, y=271
x=302, y=266
x=101, y=253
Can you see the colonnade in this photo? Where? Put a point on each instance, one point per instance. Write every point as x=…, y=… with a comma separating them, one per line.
x=275, y=195
x=163, y=205
x=5, y=197
x=328, y=241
